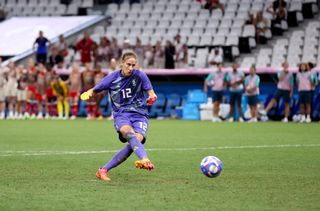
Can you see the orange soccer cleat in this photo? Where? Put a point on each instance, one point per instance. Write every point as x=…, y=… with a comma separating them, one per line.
x=144, y=164
x=102, y=174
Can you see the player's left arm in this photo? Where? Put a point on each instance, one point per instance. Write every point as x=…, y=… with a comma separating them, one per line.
x=147, y=86
x=152, y=97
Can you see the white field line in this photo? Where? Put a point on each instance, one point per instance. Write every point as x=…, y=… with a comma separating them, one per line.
x=10, y=153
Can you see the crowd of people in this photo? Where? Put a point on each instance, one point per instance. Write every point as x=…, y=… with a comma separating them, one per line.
x=172, y=55
x=238, y=84
x=37, y=91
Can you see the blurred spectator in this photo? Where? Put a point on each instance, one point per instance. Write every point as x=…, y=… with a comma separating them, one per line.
x=22, y=82
x=11, y=90
x=181, y=53
x=41, y=89
x=85, y=46
x=42, y=48
x=148, y=56
x=62, y=46
x=3, y=82
x=214, y=4
x=139, y=50
x=261, y=25
x=113, y=65
x=103, y=52
x=218, y=81
x=75, y=89
x=115, y=49
x=215, y=57
x=252, y=91
x=126, y=46
x=55, y=57
x=251, y=19
x=98, y=76
x=169, y=52
x=3, y=14
x=158, y=56
x=304, y=79
x=88, y=83
x=235, y=81
x=279, y=11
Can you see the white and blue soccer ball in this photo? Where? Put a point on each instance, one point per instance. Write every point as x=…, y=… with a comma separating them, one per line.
x=211, y=166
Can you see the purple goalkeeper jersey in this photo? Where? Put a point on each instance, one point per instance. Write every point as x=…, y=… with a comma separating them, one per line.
x=126, y=93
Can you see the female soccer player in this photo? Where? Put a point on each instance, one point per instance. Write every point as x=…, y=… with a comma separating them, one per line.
x=126, y=88
x=251, y=84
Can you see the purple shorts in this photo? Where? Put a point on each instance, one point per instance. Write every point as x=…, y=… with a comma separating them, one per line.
x=138, y=122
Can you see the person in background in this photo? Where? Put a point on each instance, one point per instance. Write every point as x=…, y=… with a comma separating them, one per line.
x=126, y=46
x=284, y=90
x=113, y=65
x=88, y=82
x=217, y=80
x=179, y=56
x=310, y=67
x=251, y=83
x=103, y=52
x=41, y=89
x=11, y=89
x=215, y=57
x=139, y=50
x=22, y=76
x=98, y=76
x=55, y=58
x=304, y=80
x=115, y=49
x=42, y=48
x=148, y=56
x=50, y=99
x=75, y=89
x=214, y=4
x=62, y=46
x=235, y=81
x=3, y=84
x=85, y=46
x=31, y=107
x=158, y=56
x=169, y=53
x=60, y=90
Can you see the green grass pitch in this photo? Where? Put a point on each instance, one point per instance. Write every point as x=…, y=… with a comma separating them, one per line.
x=51, y=165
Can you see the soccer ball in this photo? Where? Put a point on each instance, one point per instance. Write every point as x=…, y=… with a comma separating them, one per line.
x=211, y=166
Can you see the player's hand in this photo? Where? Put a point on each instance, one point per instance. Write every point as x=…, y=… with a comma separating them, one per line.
x=151, y=100
x=86, y=95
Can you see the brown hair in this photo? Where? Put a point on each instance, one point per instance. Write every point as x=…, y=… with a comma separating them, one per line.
x=127, y=55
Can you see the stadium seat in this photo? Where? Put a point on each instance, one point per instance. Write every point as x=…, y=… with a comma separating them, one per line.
x=173, y=101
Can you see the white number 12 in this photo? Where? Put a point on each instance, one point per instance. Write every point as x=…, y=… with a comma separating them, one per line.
x=126, y=93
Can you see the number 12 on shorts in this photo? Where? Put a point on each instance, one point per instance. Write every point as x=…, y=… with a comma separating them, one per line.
x=143, y=126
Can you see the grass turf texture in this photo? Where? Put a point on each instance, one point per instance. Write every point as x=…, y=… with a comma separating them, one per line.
x=285, y=178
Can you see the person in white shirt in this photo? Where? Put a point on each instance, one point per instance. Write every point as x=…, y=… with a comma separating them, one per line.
x=215, y=57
